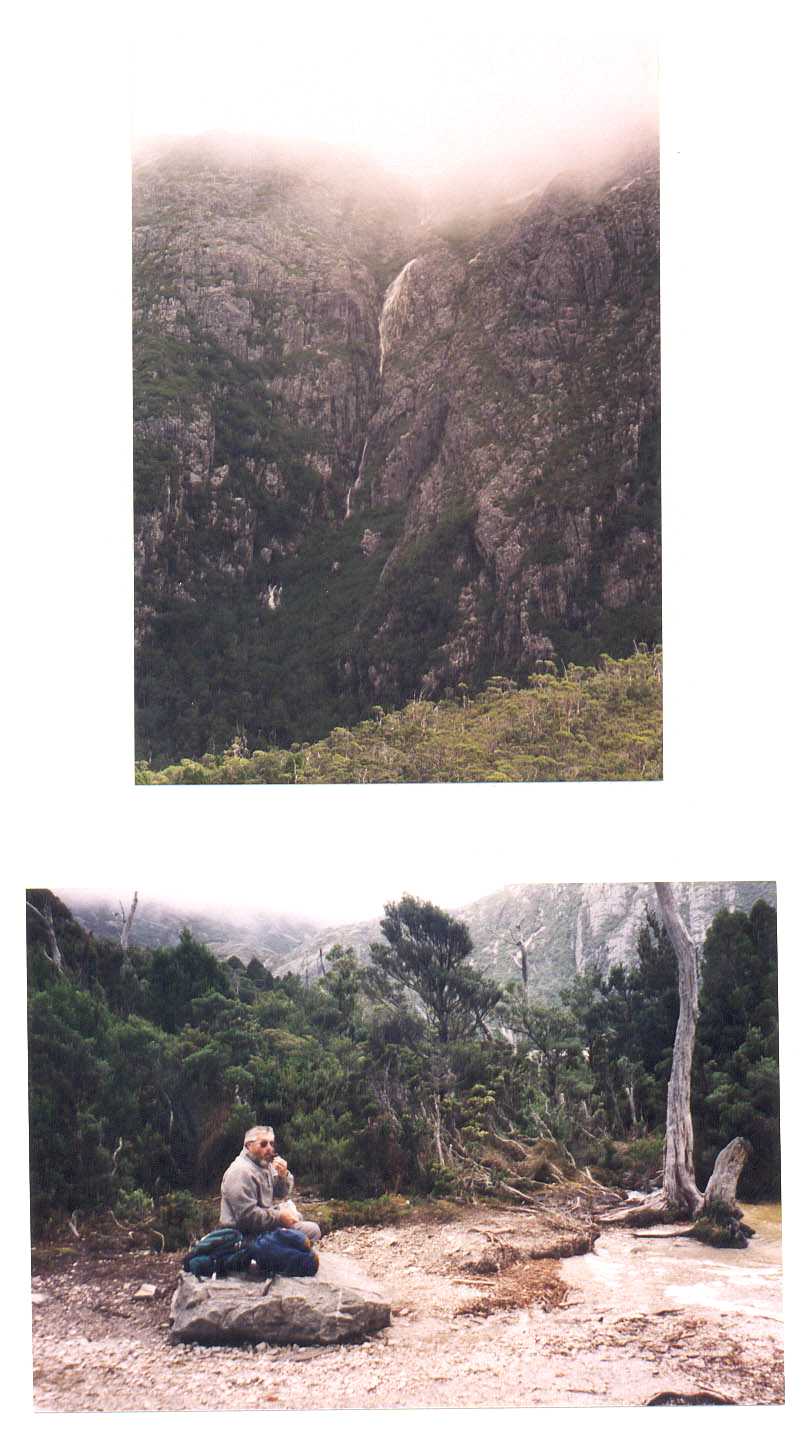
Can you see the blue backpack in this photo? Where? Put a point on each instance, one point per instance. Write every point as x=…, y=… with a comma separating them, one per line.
x=217, y=1254
x=285, y=1253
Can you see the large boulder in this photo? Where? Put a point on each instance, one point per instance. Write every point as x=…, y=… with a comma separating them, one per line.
x=340, y=1302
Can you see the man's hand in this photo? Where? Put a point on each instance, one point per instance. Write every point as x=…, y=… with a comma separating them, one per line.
x=280, y=1166
x=287, y=1216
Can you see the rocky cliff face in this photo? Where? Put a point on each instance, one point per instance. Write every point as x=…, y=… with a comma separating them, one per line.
x=566, y=927
x=376, y=456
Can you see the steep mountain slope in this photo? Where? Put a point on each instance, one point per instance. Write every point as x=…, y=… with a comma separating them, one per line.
x=376, y=457
x=565, y=927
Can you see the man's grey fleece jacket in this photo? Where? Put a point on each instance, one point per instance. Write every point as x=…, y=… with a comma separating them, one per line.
x=251, y=1195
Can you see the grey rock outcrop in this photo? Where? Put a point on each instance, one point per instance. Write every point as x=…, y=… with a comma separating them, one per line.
x=437, y=442
x=567, y=927
x=339, y=1303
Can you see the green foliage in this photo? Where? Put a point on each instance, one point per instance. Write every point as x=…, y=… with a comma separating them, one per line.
x=427, y=955
x=597, y=723
x=140, y=1093
x=177, y=976
x=180, y=1219
x=356, y=1213
x=68, y=1032
x=634, y=1163
x=737, y=1080
x=134, y=1206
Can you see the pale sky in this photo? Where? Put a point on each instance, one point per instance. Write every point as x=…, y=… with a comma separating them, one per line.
x=419, y=86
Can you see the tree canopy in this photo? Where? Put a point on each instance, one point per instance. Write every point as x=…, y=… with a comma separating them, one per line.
x=147, y=1064
x=427, y=954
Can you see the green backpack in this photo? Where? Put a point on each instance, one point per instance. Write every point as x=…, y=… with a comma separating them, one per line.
x=217, y=1254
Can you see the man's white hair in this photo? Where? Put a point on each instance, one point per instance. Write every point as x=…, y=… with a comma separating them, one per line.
x=259, y=1131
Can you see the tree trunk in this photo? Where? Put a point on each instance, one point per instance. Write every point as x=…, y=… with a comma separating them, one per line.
x=46, y=918
x=679, y=1182
x=128, y=920
x=717, y=1217
x=523, y=954
x=679, y=1196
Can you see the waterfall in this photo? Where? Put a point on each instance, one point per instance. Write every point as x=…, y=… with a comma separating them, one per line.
x=356, y=485
x=390, y=308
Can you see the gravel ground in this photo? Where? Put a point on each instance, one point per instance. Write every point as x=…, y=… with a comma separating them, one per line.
x=466, y=1331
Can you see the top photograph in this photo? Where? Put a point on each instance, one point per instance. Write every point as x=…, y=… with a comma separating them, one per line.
x=396, y=349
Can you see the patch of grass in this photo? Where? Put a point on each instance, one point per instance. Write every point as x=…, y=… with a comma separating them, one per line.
x=334, y=1213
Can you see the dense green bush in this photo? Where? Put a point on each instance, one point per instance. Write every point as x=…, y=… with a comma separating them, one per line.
x=140, y=1092
x=589, y=724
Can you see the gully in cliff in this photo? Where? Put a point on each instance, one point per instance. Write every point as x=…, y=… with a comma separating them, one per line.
x=396, y=469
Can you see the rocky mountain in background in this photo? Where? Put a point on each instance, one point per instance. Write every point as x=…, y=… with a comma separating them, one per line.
x=380, y=452
x=269, y=936
x=565, y=927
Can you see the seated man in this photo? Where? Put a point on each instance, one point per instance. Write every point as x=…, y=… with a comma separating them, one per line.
x=256, y=1190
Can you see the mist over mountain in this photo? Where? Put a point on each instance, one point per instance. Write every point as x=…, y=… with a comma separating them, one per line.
x=565, y=927
x=390, y=438
x=228, y=932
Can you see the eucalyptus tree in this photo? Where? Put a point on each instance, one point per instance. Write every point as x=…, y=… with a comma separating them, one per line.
x=679, y=1196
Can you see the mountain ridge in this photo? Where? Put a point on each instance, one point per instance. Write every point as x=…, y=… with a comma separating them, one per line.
x=377, y=459
x=565, y=927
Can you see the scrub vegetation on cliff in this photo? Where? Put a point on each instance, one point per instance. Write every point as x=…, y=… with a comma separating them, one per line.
x=380, y=456
x=587, y=724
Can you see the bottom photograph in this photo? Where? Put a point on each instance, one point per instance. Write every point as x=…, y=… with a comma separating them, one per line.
x=520, y=1153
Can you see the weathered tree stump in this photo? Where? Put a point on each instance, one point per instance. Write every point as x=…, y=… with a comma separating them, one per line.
x=726, y=1175
x=719, y=1223
x=717, y=1220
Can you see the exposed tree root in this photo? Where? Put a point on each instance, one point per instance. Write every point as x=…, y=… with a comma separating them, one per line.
x=716, y=1216
x=644, y=1212
x=721, y=1227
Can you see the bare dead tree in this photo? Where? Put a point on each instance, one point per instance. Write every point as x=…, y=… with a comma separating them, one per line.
x=679, y=1182
x=46, y=918
x=516, y=937
x=518, y=942
x=680, y=1196
x=127, y=919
